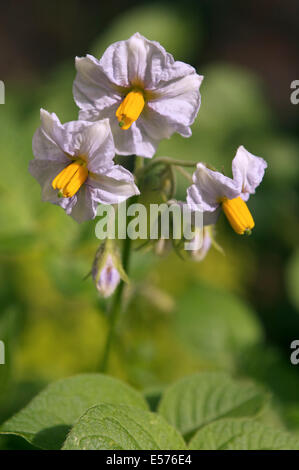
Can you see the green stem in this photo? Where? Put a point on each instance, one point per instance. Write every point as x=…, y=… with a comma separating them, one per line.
x=184, y=173
x=116, y=307
x=173, y=182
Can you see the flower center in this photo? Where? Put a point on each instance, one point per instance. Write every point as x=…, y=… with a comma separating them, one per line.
x=130, y=109
x=238, y=215
x=70, y=179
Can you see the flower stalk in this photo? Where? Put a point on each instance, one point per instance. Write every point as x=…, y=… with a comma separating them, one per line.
x=117, y=302
x=116, y=307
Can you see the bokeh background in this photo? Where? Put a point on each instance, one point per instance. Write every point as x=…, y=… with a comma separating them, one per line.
x=237, y=312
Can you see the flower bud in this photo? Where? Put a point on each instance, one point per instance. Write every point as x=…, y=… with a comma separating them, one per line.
x=107, y=278
x=107, y=270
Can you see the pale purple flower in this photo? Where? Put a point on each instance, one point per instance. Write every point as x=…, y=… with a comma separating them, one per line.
x=107, y=277
x=159, y=95
x=88, y=146
x=212, y=189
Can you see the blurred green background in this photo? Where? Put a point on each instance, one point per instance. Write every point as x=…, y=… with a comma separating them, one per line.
x=237, y=312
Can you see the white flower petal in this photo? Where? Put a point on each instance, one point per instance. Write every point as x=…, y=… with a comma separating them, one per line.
x=248, y=171
x=86, y=204
x=155, y=127
x=44, y=171
x=196, y=203
x=49, y=141
x=127, y=142
x=114, y=186
x=92, y=88
x=138, y=52
x=179, y=100
x=133, y=60
x=212, y=186
x=97, y=146
x=133, y=141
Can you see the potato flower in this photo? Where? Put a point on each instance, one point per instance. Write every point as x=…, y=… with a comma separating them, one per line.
x=212, y=190
x=74, y=165
x=145, y=93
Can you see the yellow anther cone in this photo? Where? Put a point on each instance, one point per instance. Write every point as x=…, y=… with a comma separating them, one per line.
x=238, y=215
x=130, y=109
x=70, y=179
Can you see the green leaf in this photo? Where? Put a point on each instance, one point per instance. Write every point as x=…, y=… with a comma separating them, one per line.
x=47, y=419
x=202, y=398
x=153, y=396
x=239, y=434
x=120, y=427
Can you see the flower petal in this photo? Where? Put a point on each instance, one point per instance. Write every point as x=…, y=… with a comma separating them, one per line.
x=44, y=171
x=210, y=187
x=92, y=89
x=96, y=144
x=248, y=171
x=195, y=202
x=86, y=204
x=179, y=100
x=154, y=127
x=114, y=186
x=49, y=141
x=132, y=141
x=135, y=60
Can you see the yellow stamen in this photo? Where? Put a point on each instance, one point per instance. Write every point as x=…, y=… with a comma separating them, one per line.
x=238, y=215
x=70, y=179
x=130, y=109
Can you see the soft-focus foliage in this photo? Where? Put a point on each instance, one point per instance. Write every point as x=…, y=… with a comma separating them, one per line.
x=236, y=312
